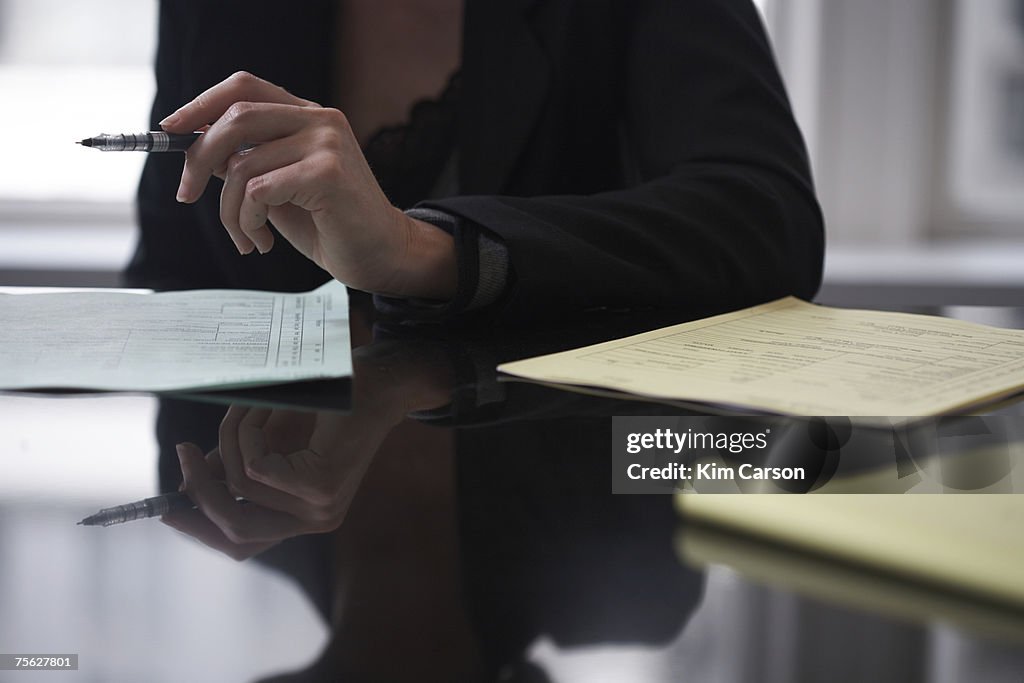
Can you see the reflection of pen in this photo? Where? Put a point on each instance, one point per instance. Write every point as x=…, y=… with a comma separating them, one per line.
x=150, y=507
x=154, y=141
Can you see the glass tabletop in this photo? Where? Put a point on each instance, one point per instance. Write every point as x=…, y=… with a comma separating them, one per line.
x=429, y=521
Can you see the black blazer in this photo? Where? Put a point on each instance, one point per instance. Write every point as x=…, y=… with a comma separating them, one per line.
x=629, y=153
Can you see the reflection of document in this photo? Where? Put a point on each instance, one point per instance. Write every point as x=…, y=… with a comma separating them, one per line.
x=177, y=340
x=790, y=356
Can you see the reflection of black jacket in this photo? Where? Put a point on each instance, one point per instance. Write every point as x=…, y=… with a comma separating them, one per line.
x=549, y=552
x=628, y=152
x=546, y=550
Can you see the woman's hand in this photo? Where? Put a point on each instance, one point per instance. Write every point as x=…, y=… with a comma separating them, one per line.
x=299, y=165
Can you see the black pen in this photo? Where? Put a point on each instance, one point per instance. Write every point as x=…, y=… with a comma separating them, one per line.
x=142, y=509
x=153, y=141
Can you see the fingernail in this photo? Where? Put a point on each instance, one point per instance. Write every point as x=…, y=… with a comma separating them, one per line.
x=181, y=195
x=169, y=121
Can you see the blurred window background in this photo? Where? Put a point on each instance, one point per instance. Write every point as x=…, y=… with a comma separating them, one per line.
x=913, y=112
x=69, y=71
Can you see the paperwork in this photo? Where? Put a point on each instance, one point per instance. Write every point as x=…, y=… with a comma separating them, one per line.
x=202, y=339
x=789, y=356
x=963, y=542
x=950, y=558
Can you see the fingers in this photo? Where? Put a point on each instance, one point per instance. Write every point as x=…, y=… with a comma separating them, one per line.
x=270, y=450
x=295, y=473
x=245, y=218
x=242, y=124
x=272, y=467
x=250, y=198
x=197, y=525
x=211, y=104
x=238, y=523
x=198, y=478
x=233, y=441
x=244, y=450
x=305, y=183
x=215, y=464
x=317, y=471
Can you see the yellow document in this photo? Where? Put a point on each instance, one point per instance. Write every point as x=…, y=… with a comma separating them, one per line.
x=789, y=356
x=964, y=596
x=966, y=543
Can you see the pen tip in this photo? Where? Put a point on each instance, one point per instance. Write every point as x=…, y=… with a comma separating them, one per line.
x=85, y=143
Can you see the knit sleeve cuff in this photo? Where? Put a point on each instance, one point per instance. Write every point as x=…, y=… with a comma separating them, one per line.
x=483, y=271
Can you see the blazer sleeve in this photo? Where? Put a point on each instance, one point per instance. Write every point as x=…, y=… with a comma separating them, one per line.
x=723, y=214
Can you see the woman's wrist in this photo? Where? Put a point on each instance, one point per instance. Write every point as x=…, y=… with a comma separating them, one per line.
x=427, y=267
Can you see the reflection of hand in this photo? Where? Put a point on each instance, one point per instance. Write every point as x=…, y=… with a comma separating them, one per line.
x=307, y=175
x=219, y=521
x=299, y=471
